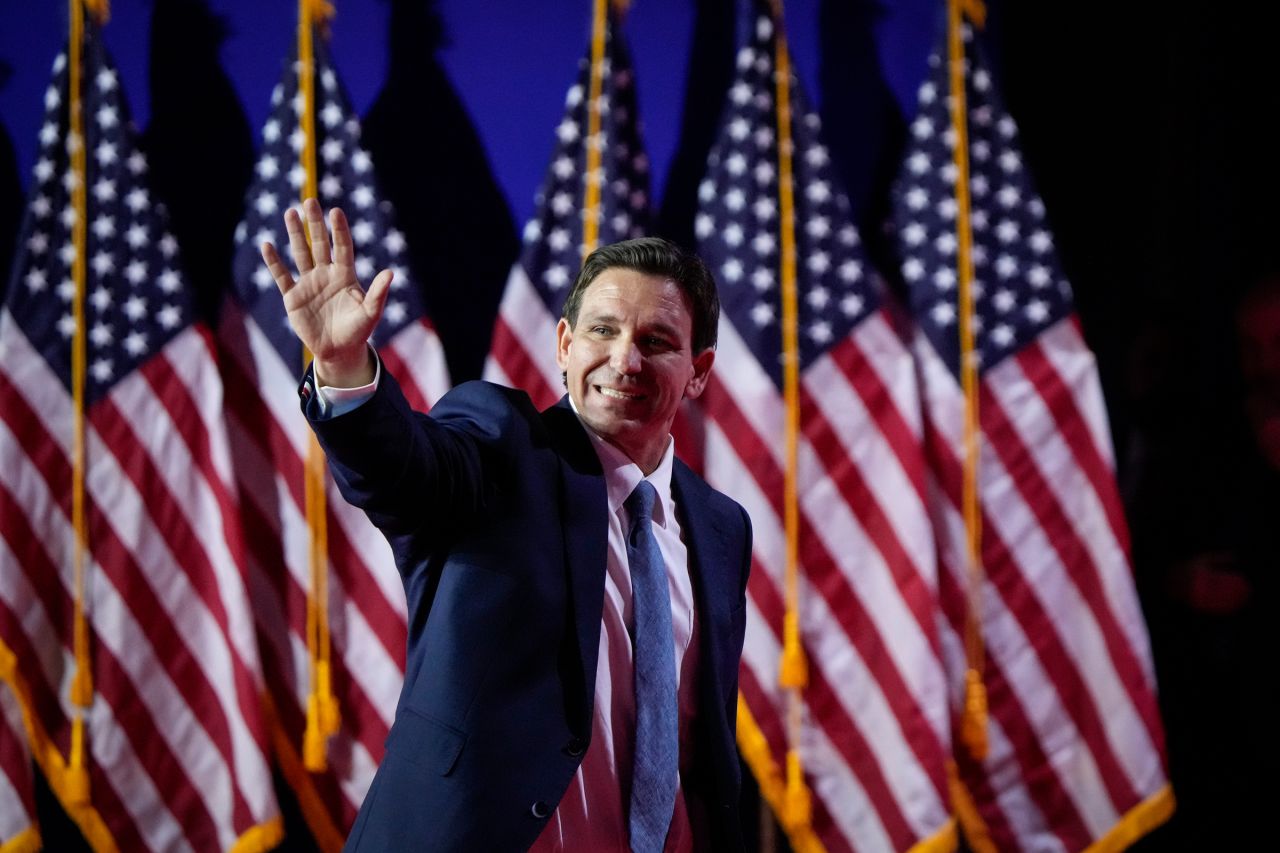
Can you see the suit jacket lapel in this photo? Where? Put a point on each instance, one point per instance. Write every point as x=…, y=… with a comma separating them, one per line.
x=586, y=541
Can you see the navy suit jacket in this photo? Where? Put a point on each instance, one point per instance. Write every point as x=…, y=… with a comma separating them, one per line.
x=497, y=516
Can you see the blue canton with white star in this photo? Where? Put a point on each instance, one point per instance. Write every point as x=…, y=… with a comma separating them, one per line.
x=136, y=297
x=1019, y=288
x=552, y=253
x=738, y=222
x=345, y=179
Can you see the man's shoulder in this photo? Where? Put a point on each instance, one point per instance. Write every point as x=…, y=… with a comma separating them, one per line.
x=697, y=495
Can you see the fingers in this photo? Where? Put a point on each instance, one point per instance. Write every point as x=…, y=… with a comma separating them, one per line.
x=276, y=267
x=319, y=234
x=344, y=252
x=298, y=242
x=376, y=297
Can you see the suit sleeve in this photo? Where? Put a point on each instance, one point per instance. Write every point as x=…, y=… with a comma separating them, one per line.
x=418, y=477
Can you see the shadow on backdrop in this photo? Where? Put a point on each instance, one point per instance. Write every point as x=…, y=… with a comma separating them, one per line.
x=710, y=71
x=432, y=166
x=198, y=144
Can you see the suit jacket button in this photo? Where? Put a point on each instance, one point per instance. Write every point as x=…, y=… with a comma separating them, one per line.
x=540, y=810
x=575, y=747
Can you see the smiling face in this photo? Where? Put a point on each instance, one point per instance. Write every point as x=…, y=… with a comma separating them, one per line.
x=628, y=360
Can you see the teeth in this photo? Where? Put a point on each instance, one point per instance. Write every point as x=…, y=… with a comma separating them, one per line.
x=617, y=395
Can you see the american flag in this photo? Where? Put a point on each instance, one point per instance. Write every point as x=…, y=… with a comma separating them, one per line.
x=366, y=607
x=176, y=745
x=1075, y=742
x=523, y=351
x=876, y=732
x=18, y=829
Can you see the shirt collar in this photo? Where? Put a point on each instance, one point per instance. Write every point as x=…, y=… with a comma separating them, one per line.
x=621, y=475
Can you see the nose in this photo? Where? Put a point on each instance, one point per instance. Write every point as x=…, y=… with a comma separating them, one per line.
x=625, y=357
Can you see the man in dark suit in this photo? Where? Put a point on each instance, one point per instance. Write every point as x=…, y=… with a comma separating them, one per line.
x=575, y=594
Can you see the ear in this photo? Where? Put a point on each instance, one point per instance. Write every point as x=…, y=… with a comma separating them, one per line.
x=564, y=337
x=701, y=371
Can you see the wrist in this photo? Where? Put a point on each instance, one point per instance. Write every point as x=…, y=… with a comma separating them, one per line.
x=347, y=371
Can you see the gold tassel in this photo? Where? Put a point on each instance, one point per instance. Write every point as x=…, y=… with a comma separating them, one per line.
x=799, y=808
x=973, y=726
x=793, y=672
x=330, y=717
x=314, y=742
x=76, y=778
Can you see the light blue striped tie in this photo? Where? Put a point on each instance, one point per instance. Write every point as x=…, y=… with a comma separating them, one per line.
x=656, y=772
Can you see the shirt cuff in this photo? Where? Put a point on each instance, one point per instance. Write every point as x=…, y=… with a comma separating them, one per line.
x=338, y=401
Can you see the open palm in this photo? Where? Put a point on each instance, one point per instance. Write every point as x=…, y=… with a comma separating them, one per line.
x=329, y=311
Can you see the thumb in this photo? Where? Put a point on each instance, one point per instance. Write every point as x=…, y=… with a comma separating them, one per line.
x=375, y=299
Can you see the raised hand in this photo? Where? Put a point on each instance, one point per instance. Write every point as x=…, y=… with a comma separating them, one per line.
x=328, y=309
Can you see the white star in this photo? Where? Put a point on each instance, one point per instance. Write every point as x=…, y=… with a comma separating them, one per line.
x=136, y=235
x=763, y=243
x=330, y=186
x=1004, y=300
x=703, y=225
x=70, y=181
x=978, y=219
x=107, y=117
x=740, y=93
x=100, y=335
x=51, y=99
x=574, y=96
x=979, y=185
x=362, y=231
x=848, y=235
x=1036, y=206
x=135, y=307
x=922, y=128
x=563, y=167
x=739, y=128
x=818, y=192
x=762, y=279
x=331, y=151
x=168, y=245
x=982, y=116
x=916, y=198
x=762, y=313
x=261, y=277
x=169, y=280
x=562, y=204
x=268, y=168
x=764, y=28
x=1038, y=276
x=67, y=325
x=944, y=278
x=532, y=231
x=981, y=80
x=850, y=271
x=48, y=134
x=818, y=227
x=1006, y=266
x=328, y=79
x=736, y=164
x=297, y=176
x=816, y=156
x=1002, y=335
x=396, y=312
x=103, y=263
x=1008, y=196
x=105, y=153
x=946, y=243
x=66, y=252
x=558, y=239
x=913, y=234
x=36, y=280
x=104, y=190
x=66, y=290
x=820, y=332
x=100, y=298
x=1007, y=231
x=556, y=276
x=266, y=203
x=764, y=208
x=819, y=262
x=927, y=93
x=818, y=297
x=271, y=131
x=41, y=206
x=106, y=80
x=68, y=216
x=102, y=369
x=851, y=305
x=169, y=316
x=918, y=163
x=912, y=269
x=763, y=137
x=137, y=163
x=1037, y=310
x=943, y=313
x=1041, y=242
x=1006, y=127
x=135, y=343
x=297, y=140
x=733, y=235
x=136, y=199
x=763, y=172
x=331, y=115
x=981, y=151
x=364, y=268
x=734, y=200
x=43, y=169
x=621, y=222
x=731, y=269
x=394, y=241
x=567, y=131
x=136, y=271
x=706, y=190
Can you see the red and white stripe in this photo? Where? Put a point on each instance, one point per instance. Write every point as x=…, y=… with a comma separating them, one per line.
x=522, y=354
x=876, y=737
x=366, y=605
x=176, y=738
x=1075, y=739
